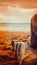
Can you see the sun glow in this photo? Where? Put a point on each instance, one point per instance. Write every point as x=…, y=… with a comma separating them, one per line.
x=9, y=14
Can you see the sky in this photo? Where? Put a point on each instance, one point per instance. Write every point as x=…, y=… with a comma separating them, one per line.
x=15, y=18
x=17, y=13
x=9, y=14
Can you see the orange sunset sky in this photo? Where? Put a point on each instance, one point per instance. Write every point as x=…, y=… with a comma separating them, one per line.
x=17, y=11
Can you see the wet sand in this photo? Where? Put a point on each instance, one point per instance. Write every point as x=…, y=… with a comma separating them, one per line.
x=7, y=55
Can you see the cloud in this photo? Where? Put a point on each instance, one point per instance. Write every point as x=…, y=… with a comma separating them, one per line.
x=15, y=15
